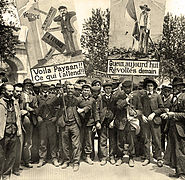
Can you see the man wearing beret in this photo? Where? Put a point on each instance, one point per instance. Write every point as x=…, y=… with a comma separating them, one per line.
x=29, y=119
x=175, y=152
x=106, y=113
x=126, y=121
x=47, y=126
x=152, y=108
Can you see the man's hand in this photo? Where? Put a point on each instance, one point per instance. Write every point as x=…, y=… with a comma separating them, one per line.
x=39, y=119
x=129, y=97
x=164, y=116
x=145, y=120
x=171, y=114
x=111, y=125
x=53, y=119
x=98, y=125
x=94, y=129
x=151, y=116
x=80, y=110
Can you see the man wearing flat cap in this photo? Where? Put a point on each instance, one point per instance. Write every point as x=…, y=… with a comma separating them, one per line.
x=126, y=121
x=152, y=108
x=66, y=29
x=86, y=102
x=175, y=152
x=106, y=113
x=144, y=23
x=47, y=126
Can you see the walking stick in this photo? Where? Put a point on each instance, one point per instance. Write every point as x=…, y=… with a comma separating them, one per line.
x=63, y=99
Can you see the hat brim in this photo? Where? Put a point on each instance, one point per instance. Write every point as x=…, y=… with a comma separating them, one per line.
x=177, y=84
x=150, y=81
x=86, y=86
x=143, y=7
x=104, y=85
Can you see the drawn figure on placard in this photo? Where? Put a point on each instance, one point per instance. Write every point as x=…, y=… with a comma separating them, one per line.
x=67, y=29
x=144, y=24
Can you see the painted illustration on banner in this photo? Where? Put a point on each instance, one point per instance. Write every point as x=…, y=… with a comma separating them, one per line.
x=50, y=24
x=135, y=23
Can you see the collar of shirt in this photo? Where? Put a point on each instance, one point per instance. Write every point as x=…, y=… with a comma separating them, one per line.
x=107, y=96
x=150, y=93
x=86, y=97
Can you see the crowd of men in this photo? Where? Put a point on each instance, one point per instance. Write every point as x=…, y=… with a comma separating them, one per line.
x=126, y=118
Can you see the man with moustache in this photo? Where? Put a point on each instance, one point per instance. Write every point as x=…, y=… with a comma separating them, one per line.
x=47, y=126
x=19, y=141
x=126, y=121
x=29, y=119
x=10, y=128
x=106, y=113
x=67, y=29
x=175, y=152
x=70, y=124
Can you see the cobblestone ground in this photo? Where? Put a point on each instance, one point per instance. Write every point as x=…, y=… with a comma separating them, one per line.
x=96, y=172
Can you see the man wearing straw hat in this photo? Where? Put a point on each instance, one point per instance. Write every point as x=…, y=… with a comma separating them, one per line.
x=144, y=23
x=152, y=108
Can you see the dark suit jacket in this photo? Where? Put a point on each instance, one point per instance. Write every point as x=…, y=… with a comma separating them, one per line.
x=45, y=107
x=66, y=24
x=105, y=109
x=61, y=117
x=179, y=108
x=152, y=104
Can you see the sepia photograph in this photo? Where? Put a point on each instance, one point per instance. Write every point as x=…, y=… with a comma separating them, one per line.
x=92, y=89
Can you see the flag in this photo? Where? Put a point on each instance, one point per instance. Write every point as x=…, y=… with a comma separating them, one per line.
x=130, y=7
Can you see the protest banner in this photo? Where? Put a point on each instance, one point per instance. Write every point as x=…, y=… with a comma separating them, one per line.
x=133, y=67
x=58, y=72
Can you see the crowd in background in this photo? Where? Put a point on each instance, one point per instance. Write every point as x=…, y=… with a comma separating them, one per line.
x=125, y=118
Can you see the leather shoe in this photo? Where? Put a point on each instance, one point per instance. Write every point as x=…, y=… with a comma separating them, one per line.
x=65, y=165
x=28, y=165
x=131, y=163
x=41, y=163
x=182, y=177
x=160, y=163
x=173, y=175
x=146, y=162
x=75, y=167
x=55, y=163
x=112, y=161
x=103, y=162
x=88, y=160
x=17, y=173
x=119, y=162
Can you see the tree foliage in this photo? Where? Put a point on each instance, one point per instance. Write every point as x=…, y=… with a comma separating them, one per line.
x=172, y=46
x=7, y=38
x=170, y=50
x=95, y=38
